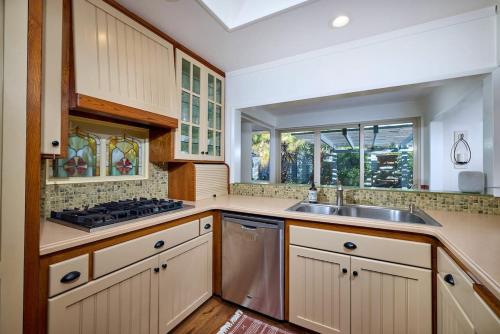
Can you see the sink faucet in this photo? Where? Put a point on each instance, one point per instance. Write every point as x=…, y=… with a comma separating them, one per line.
x=412, y=207
x=340, y=194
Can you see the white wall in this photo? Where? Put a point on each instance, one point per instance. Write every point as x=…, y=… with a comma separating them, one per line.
x=367, y=113
x=452, y=47
x=454, y=107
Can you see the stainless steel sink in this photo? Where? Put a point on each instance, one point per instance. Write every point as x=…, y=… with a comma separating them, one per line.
x=363, y=211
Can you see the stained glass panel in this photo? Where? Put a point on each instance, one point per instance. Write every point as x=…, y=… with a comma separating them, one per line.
x=82, y=159
x=124, y=156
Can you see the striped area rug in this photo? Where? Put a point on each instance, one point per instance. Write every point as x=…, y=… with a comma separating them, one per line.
x=241, y=323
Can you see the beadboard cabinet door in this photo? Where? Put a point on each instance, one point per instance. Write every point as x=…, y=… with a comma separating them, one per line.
x=319, y=290
x=119, y=60
x=451, y=318
x=185, y=280
x=125, y=302
x=389, y=298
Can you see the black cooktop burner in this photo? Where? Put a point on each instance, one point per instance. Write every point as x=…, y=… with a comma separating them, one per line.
x=102, y=215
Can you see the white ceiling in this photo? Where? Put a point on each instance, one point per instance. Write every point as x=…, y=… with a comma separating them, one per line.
x=298, y=30
x=237, y=13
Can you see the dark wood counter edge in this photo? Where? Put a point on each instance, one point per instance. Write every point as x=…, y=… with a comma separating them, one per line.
x=160, y=33
x=31, y=282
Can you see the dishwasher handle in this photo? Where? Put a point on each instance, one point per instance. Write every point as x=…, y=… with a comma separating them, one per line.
x=250, y=224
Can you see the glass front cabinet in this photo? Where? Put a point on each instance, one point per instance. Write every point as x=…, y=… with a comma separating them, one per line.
x=200, y=135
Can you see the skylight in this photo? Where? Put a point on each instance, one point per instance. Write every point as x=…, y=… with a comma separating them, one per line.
x=236, y=13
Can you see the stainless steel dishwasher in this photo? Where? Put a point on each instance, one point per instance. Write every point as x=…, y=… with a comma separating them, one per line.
x=252, y=263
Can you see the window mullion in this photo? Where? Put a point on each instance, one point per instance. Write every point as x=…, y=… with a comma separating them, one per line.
x=317, y=156
x=361, y=156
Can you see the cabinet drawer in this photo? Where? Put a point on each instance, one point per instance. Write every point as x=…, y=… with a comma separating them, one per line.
x=484, y=319
x=68, y=274
x=118, y=256
x=206, y=224
x=392, y=250
x=462, y=289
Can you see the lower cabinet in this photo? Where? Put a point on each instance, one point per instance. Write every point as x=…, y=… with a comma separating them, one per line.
x=149, y=297
x=125, y=301
x=335, y=293
x=452, y=319
x=390, y=298
x=185, y=280
x=319, y=290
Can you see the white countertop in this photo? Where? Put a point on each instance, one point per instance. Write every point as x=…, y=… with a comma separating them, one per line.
x=473, y=238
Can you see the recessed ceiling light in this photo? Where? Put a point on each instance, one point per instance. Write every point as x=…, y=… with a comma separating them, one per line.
x=340, y=21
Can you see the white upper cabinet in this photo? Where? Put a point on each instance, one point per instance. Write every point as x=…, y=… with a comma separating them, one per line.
x=121, y=61
x=200, y=135
x=52, y=77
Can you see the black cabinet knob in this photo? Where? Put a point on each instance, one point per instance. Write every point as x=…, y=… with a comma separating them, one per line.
x=70, y=277
x=164, y=266
x=157, y=270
x=448, y=278
x=350, y=245
x=55, y=143
x=344, y=270
x=207, y=226
x=202, y=152
x=354, y=273
x=159, y=244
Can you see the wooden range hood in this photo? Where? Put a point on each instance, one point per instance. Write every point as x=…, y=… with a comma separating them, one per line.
x=93, y=107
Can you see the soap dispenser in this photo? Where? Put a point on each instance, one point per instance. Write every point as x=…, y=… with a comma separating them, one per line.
x=313, y=194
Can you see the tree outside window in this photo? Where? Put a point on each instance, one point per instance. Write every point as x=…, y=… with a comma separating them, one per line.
x=261, y=144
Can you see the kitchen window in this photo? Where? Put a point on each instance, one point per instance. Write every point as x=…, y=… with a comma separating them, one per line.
x=375, y=155
x=261, y=154
x=101, y=151
x=297, y=157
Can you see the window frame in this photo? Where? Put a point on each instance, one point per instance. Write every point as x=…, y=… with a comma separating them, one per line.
x=317, y=147
x=106, y=130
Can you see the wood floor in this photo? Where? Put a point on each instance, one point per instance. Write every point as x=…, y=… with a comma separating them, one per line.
x=215, y=312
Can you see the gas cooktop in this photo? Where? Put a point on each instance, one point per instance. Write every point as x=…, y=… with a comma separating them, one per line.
x=112, y=213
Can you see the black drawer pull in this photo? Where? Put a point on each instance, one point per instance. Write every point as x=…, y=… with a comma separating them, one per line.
x=448, y=278
x=157, y=270
x=350, y=245
x=355, y=273
x=164, y=266
x=207, y=226
x=70, y=277
x=159, y=244
x=344, y=270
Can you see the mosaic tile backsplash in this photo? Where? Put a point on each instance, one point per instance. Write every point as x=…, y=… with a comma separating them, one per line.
x=64, y=196
x=380, y=197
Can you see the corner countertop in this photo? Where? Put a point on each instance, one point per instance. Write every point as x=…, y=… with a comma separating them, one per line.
x=473, y=238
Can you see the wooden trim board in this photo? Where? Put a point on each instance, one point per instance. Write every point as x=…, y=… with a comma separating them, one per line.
x=95, y=106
